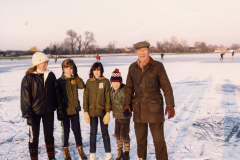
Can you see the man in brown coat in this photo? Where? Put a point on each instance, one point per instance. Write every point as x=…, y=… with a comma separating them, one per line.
x=145, y=79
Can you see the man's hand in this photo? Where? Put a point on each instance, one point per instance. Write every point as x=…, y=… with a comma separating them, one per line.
x=127, y=106
x=29, y=121
x=60, y=114
x=171, y=112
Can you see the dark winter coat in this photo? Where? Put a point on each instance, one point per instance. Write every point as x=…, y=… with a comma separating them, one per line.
x=70, y=88
x=39, y=97
x=142, y=90
x=96, y=99
x=117, y=102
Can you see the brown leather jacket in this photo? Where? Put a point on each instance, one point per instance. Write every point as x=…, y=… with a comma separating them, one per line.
x=142, y=90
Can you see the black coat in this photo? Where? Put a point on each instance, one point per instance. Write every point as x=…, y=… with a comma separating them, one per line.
x=39, y=99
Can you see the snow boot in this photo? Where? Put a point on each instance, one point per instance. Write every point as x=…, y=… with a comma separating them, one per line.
x=108, y=156
x=126, y=156
x=66, y=153
x=120, y=154
x=81, y=153
x=92, y=156
x=50, y=151
x=33, y=150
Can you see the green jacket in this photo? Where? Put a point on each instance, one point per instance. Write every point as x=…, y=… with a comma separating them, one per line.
x=70, y=88
x=96, y=99
x=117, y=101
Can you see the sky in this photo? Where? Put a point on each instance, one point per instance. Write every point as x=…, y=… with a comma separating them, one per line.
x=27, y=23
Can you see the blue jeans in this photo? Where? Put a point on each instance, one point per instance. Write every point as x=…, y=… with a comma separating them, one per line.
x=93, y=134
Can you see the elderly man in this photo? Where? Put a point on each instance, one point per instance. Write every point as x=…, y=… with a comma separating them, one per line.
x=142, y=91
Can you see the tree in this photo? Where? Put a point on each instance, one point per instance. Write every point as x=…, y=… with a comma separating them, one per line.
x=235, y=46
x=173, y=44
x=79, y=41
x=112, y=46
x=89, y=38
x=201, y=47
x=72, y=39
x=159, y=46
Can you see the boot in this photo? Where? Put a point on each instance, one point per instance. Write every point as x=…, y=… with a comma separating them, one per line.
x=33, y=150
x=50, y=150
x=126, y=156
x=120, y=154
x=92, y=156
x=108, y=156
x=66, y=153
x=81, y=153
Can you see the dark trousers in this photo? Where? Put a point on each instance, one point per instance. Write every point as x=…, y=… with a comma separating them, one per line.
x=48, y=123
x=93, y=134
x=141, y=131
x=75, y=125
x=122, y=129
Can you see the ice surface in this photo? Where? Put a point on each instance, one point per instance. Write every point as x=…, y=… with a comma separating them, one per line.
x=206, y=125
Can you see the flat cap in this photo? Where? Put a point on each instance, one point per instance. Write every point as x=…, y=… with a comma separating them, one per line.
x=142, y=44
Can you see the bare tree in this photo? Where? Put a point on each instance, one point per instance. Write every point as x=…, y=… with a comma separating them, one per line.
x=112, y=46
x=235, y=46
x=79, y=46
x=201, y=47
x=173, y=43
x=184, y=45
x=166, y=45
x=72, y=39
x=89, y=38
x=159, y=46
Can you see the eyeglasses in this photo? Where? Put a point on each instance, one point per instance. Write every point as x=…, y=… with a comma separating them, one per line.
x=142, y=51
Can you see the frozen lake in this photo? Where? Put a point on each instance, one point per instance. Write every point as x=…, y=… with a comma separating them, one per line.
x=206, y=124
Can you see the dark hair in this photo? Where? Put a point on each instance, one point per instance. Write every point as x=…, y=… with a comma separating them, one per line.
x=94, y=67
x=31, y=70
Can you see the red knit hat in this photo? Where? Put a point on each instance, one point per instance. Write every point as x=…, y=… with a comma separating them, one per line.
x=116, y=76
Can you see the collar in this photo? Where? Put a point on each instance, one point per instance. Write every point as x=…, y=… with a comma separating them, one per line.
x=65, y=77
x=150, y=60
x=100, y=78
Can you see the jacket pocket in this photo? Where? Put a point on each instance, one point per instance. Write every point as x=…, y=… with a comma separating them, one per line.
x=153, y=85
x=135, y=105
x=101, y=107
x=91, y=106
x=155, y=106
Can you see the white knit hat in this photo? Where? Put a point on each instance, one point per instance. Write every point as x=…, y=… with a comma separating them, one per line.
x=38, y=58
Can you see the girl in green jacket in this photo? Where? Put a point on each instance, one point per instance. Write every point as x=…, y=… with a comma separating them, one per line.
x=70, y=82
x=96, y=104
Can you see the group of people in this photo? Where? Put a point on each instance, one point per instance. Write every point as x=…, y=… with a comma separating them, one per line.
x=42, y=94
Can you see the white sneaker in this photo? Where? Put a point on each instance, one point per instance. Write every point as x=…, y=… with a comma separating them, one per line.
x=92, y=156
x=108, y=156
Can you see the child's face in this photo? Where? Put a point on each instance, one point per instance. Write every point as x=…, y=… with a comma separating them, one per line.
x=116, y=85
x=97, y=73
x=68, y=71
x=42, y=66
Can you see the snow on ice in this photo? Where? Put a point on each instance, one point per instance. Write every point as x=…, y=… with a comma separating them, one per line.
x=206, y=124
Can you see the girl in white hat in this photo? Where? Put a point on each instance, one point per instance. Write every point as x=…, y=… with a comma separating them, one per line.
x=40, y=96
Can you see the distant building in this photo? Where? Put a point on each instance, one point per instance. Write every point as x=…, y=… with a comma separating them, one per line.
x=220, y=49
x=127, y=49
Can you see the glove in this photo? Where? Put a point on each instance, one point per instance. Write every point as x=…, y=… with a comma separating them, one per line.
x=106, y=118
x=171, y=112
x=126, y=113
x=87, y=118
x=75, y=74
x=60, y=115
x=127, y=106
x=29, y=121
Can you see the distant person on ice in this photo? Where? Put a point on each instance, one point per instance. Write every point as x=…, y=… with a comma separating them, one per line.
x=70, y=82
x=40, y=96
x=122, y=120
x=98, y=58
x=145, y=79
x=221, y=59
x=56, y=57
x=162, y=55
x=232, y=54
